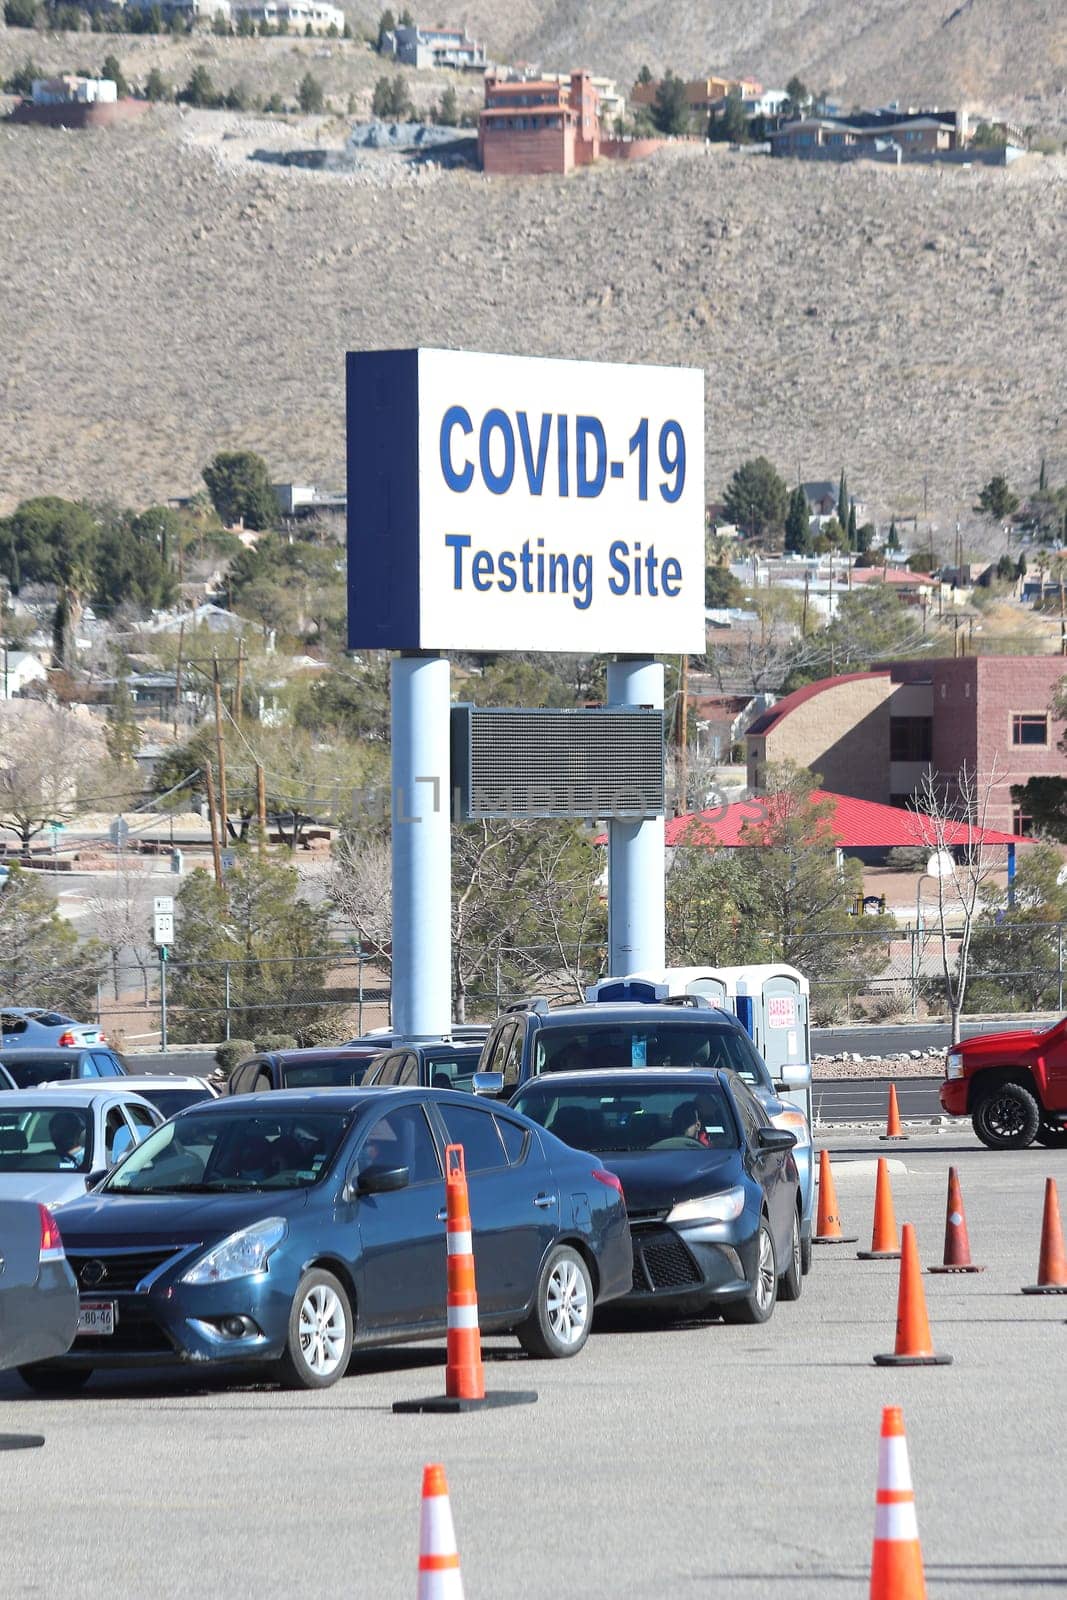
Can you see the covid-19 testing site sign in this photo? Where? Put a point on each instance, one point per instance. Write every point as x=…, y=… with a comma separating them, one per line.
x=512, y=503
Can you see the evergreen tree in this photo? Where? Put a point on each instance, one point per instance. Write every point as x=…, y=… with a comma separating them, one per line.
x=240, y=490
x=853, y=542
x=121, y=733
x=310, y=94
x=996, y=499
x=447, y=112
x=893, y=542
x=798, y=523
x=1041, y=477
x=756, y=498
x=111, y=69
x=670, y=112
x=41, y=960
x=842, y=500
x=645, y=75
x=156, y=88
x=386, y=24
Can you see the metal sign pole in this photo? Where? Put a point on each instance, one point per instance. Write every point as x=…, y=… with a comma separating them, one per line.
x=636, y=923
x=163, y=997
x=421, y=846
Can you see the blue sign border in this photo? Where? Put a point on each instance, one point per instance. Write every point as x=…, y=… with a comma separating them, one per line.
x=382, y=403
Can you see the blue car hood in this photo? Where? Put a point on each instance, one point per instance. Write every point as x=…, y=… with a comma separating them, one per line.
x=654, y=1180
x=148, y=1220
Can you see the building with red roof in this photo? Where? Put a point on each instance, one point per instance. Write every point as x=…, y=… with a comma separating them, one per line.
x=876, y=735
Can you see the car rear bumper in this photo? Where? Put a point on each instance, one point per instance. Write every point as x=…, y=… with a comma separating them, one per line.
x=953, y=1096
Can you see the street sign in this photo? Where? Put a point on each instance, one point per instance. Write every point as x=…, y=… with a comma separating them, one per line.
x=119, y=832
x=163, y=905
x=228, y=859
x=163, y=927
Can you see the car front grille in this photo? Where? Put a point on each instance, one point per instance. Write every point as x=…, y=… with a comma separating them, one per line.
x=662, y=1263
x=116, y=1272
x=136, y=1333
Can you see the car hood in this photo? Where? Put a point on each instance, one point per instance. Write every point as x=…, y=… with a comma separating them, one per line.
x=1025, y=1042
x=654, y=1180
x=50, y=1188
x=99, y=1220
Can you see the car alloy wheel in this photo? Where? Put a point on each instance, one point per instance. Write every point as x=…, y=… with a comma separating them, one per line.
x=567, y=1302
x=319, y=1337
x=323, y=1330
x=764, y=1284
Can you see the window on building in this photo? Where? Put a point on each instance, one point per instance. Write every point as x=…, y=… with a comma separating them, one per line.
x=1022, y=822
x=911, y=738
x=1029, y=728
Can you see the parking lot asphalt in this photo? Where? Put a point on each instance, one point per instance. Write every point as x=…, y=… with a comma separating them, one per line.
x=671, y=1460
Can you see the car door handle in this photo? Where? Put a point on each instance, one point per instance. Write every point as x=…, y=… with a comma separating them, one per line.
x=442, y=1215
x=544, y=1201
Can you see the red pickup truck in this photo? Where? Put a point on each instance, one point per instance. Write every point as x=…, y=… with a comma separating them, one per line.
x=1013, y=1086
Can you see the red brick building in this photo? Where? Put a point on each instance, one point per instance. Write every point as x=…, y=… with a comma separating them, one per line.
x=876, y=734
x=538, y=127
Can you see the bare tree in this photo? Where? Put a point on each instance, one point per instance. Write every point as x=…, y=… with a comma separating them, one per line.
x=49, y=760
x=119, y=907
x=359, y=882
x=951, y=816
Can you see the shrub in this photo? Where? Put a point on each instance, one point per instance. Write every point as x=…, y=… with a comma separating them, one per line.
x=232, y=1053
x=329, y=1030
x=20, y=13
x=907, y=858
x=275, y=1041
x=21, y=80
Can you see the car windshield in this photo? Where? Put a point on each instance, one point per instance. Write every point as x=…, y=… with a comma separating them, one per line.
x=29, y=1073
x=616, y=1045
x=681, y=1116
x=339, y=1073
x=46, y=1139
x=203, y=1153
x=171, y=1101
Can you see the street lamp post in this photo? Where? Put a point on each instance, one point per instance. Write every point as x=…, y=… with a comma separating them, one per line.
x=915, y=940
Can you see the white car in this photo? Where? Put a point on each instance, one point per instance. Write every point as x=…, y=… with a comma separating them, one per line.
x=53, y=1142
x=168, y=1092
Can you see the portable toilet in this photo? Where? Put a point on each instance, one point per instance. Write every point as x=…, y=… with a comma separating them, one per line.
x=772, y=1001
x=708, y=982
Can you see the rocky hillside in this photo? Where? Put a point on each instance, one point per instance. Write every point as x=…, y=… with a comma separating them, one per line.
x=164, y=298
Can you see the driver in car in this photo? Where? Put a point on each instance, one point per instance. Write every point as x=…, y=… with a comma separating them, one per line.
x=67, y=1133
x=686, y=1123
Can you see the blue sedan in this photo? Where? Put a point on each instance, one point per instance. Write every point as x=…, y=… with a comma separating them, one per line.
x=284, y=1228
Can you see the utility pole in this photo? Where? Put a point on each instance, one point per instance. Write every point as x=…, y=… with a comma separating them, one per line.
x=261, y=806
x=804, y=618
x=220, y=747
x=238, y=693
x=178, y=670
x=683, y=732
x=216, y=852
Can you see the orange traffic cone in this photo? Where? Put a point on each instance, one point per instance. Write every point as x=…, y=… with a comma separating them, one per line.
x=914, y=1347
x=1052, y=1267
x=885, y=1243
x=464, y=1376
x=893, y=1130
x=957, y=1244
x=828, y=1225
x=439, y=1575
x=896, y=1558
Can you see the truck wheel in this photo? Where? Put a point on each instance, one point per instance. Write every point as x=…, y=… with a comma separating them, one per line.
x=1051, y=1135
x=1007, y=1117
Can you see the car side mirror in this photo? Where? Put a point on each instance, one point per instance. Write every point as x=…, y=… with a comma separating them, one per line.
x=491, y=1083
x=776, y=1139
x=381, y=1180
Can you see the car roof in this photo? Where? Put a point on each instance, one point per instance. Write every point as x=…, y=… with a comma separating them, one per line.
x=617, y=1011
x=69, y=1052
x=597, y=1077
x=338, y=1100
x=41, y=1095
x=320, y=1052
x=142, y=1080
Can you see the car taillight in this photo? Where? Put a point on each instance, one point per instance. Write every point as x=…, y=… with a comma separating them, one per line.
x=609, y=1180
x=67, y=1038
x=51, y=1240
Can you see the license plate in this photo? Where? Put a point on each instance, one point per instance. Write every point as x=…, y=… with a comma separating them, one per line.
x=96, y=1316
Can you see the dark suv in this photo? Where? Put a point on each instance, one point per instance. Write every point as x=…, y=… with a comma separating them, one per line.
x=530, y=1038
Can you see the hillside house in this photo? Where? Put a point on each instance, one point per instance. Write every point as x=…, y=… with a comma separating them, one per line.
x=701, y=94
x=416, y=46
x=297, y=15
x=18, y=670
x=539, y=126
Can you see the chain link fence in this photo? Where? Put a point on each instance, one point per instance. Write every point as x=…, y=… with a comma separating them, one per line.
x=868, y=973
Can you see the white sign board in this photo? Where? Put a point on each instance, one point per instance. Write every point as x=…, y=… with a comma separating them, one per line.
x=514, y=503
x=163, y=928
x=162, y=905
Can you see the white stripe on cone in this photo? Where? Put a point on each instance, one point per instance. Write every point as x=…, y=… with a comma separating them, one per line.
x=893, y=1469
x=896, y=1522
x=459, y=1244
x=463, y=1316
x=437, y=1535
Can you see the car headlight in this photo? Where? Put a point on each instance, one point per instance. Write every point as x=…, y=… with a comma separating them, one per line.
x=242, y=1254
x=794, y=1121
x=710, y=1207
x=954, y=1064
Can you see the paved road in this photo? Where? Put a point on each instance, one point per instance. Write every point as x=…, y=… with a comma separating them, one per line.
x=872, y=1039
x=867, y=1099
x=686, y=1461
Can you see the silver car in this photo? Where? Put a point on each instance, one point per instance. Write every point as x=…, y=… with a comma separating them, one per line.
x=54, y=1141
x=33, y=1028
x=38, y=1294
x=169, y=1092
